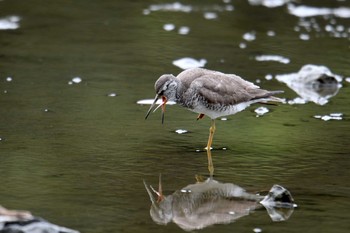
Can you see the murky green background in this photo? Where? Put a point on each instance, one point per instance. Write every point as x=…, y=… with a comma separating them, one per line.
x=77, y=157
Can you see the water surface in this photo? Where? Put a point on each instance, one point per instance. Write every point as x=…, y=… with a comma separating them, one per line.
x=77, y=156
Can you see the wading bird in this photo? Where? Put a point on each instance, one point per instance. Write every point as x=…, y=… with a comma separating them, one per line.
x=210, y=93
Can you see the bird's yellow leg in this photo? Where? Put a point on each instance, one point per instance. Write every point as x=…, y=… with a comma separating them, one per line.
x=210, y=140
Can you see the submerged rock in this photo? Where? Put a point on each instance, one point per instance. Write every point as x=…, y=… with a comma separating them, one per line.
x=312, y=83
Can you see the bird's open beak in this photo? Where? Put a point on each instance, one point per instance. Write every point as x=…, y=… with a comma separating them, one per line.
x=160, y=105
x=159, y=193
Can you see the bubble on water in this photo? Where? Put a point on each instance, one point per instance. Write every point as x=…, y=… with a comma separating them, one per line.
x=168, y=27
x=188, y=62
x=112, y=94
x=70, y=82
x=46, y=110
x=347, y=79
x=210, y=15
x=181, y=131
x=249, y=36
x=276, y=58
x=304, y=36
x=261, y=111
x=76, y=80
x=184, y=30
x=5, y=91
x=223, y=118
x=258, y=81
x=9, y=79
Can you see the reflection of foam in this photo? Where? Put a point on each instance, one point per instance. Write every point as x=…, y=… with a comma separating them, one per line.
x=9, y=23
x=312, y=83
x=308, y=11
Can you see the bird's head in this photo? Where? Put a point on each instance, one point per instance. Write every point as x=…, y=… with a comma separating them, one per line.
x=166, y=88
x=161, y=209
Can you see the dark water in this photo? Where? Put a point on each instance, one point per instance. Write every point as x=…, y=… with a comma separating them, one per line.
x=77, y=157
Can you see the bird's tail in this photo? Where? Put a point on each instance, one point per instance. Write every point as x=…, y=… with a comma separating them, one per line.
x=269, y=96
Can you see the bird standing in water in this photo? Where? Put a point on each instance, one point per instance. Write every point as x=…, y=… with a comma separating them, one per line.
x=210, y=93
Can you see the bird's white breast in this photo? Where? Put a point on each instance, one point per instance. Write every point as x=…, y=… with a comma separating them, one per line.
x=230, y=110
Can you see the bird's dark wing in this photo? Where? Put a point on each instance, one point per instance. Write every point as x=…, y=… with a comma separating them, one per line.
x=226, y=89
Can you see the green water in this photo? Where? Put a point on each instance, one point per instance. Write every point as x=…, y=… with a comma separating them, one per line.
x=77, y=157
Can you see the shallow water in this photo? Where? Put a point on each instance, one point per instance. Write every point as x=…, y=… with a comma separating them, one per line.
x=76, y=155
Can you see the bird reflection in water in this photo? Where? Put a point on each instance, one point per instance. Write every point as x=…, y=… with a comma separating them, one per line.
x=312, y=83
x=210, y=202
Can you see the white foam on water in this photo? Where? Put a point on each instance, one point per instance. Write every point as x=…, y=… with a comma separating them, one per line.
x=76, y=80
x=181, y=131
x=309, y=11
x=271, y=33
x=168, y=27
x=249, y=36
x=10, y=22
x=276, y=58
x=269, y=77
x=268, y=3
x=210, y=15
x=332, y=116
x=188, y=62
x=261, y=111
x=150, y=101
x=184, y=30
x=176, y=6
x=112, y=94
x=304, y=36
x=257, y=230
x=242, y=45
